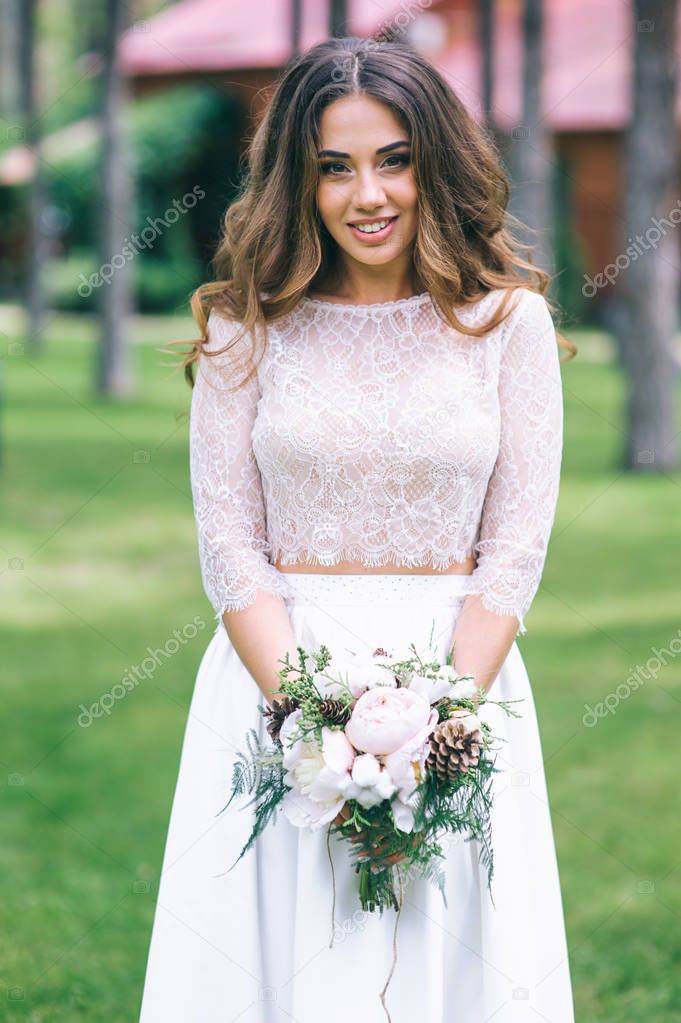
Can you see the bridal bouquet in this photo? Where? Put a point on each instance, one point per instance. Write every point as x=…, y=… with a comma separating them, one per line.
x=391, y=755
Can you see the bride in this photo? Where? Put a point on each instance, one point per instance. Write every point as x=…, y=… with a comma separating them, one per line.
x=375, y=444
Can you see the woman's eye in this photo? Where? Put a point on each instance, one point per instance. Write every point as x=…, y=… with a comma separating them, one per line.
x=402, y=161
x=326, y=167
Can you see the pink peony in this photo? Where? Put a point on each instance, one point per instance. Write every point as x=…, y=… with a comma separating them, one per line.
x=384, y=719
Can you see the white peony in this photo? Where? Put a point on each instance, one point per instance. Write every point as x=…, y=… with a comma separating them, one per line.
x=403, y=812
x=318, y=776
x=431, y=689
x=303, y=812
x=361, y=672
x=327, y=686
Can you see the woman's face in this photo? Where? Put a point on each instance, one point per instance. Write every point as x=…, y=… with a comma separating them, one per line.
x=365, y=174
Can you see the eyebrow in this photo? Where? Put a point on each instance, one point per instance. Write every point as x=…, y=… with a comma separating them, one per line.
x=383, y=149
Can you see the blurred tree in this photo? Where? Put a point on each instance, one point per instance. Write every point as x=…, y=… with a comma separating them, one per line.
x=9, y=38
x=338, y=18
x=113, y=369
x=531, y=153
x=36, y=242
x=296, y=16
x=486, y=28
x=649, y=289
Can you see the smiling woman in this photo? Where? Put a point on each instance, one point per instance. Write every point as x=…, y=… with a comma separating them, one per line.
x=367, y=195
x=385, y=474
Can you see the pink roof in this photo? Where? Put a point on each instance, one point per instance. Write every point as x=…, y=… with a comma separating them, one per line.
x=587, y=66
x=225, y=35
x=587, y=59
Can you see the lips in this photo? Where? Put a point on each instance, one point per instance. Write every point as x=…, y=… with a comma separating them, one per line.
x=373, y=220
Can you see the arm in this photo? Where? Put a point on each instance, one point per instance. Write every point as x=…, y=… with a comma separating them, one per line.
x=520, y=502
x=245, y=589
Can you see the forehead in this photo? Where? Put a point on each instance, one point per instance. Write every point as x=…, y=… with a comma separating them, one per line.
x=356, y=123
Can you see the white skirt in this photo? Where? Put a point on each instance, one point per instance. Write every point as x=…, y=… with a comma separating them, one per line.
x=253, y=944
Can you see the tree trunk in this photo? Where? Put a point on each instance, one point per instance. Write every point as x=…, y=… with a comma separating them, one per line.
x=9, y=47
x=486, y=28
x=34, y=295
x=650, y=244
x=338, y=18
x=113, y=369
x=296, y=16
x=531, y=151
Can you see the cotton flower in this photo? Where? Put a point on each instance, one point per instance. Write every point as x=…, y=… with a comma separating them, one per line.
x=371, y=782
x=465, y=689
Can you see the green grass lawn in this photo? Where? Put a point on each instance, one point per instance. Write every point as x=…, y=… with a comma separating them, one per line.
x=98, y=562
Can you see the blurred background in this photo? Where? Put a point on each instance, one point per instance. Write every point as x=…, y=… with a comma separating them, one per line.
x=122, y=125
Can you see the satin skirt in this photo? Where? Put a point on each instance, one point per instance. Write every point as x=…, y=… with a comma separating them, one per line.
x=253, y=944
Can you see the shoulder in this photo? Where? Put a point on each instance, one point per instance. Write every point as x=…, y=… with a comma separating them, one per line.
x=529, y=323
x=226, y=357
x=232, y=348
x=527, y=305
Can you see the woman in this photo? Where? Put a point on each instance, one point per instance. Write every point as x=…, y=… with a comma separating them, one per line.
x=376, y=437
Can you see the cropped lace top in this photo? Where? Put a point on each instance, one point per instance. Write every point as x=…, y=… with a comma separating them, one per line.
x=379, y=434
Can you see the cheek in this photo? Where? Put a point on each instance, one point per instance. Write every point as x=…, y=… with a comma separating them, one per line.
x=409, y=195
x=331, y=198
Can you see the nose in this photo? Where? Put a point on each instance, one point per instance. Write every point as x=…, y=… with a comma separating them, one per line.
x=369, y=191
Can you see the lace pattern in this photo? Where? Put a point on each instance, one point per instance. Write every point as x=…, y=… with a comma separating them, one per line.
x=379, y=434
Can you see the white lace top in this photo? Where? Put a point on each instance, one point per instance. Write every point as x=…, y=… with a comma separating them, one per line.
x=377, y=433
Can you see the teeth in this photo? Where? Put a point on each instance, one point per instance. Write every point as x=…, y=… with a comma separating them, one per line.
x=372, y=228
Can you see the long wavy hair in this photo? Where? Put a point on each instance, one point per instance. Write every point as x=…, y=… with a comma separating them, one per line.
x=274, y=246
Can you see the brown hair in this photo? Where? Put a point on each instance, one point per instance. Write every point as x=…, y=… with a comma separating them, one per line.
x=274, y=245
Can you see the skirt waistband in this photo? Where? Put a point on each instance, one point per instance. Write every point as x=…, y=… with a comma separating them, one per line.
x=372, y=588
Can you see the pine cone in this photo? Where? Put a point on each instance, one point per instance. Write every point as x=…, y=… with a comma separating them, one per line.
x=277, y=713
x=335, y=711
x=453, y=750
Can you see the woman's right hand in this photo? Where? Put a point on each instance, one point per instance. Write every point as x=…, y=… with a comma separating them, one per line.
x=344, y=814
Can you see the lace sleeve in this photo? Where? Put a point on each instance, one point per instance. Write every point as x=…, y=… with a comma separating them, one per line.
x=225, y=479
x=520, y=502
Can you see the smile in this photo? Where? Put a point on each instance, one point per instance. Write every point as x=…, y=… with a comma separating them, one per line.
x=379, y=229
